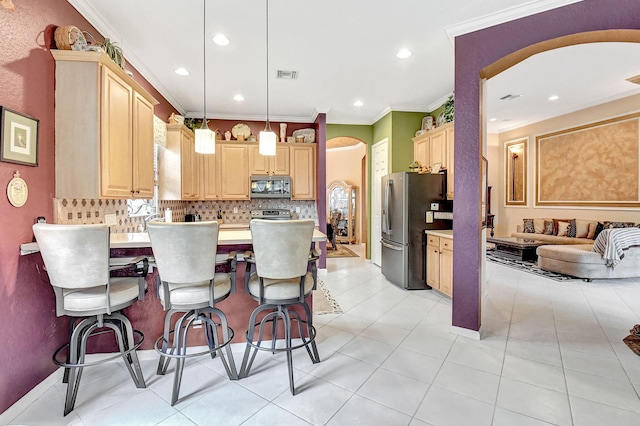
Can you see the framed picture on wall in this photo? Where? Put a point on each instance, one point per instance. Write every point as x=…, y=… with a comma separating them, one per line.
x=18, y=137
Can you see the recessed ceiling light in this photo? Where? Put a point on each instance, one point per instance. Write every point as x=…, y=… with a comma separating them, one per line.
x=493, y=119
x=220, y=40
x=403, y=53
x=358, y=103
x=238, y=98
x=181, y=71
x=554, y=97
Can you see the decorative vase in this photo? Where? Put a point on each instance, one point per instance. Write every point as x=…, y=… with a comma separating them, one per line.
x=283, y=132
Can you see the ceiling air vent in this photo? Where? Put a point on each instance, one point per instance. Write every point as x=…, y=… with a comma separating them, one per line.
x=509, y=97
x=287, y=75
x=635, y=79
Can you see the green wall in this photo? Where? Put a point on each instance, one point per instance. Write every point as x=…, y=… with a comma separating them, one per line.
x=405, y=126
x=363, y=132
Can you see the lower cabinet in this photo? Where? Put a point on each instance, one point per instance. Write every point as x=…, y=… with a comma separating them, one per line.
x=440, y=263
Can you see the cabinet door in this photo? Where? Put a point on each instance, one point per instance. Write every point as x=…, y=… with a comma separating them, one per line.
x=450, y=162
x=188, y=166
x=438, y=149
x=280, y=163
x=303, y=172
x=421, y=152
x=210, y=177
x=142, y=147
x=446, y=266
x=234, y=172
x=433, y=266
x=116, y=166
x=258, y=164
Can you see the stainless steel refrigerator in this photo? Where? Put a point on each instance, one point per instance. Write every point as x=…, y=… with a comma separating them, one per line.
x=411, y=204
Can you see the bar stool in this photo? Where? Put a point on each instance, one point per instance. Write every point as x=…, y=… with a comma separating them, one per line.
x=77, y=261
x=185, y=253
x=281, y=272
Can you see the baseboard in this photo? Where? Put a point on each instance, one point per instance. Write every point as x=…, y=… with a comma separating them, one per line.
x=465, y=332
x=30, y=397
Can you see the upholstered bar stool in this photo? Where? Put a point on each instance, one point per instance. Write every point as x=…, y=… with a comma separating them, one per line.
x=281, y=272
x=185, y=254
x=77, y=261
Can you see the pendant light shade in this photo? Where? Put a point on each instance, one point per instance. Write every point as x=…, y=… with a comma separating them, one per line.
x=267, y=142
x=205, y=138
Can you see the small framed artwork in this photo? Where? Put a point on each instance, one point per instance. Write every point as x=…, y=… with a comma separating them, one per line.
x=18, y=137
x=435, y=169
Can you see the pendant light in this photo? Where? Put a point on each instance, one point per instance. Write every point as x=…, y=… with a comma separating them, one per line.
x=267, y=141
x=205, y=138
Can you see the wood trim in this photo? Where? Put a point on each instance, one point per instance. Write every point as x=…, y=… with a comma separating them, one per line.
x=506, y=62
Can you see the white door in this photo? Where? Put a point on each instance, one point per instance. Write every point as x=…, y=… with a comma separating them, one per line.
x=379, y=162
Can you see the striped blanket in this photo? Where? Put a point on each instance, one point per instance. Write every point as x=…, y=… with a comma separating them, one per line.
x=611, y=243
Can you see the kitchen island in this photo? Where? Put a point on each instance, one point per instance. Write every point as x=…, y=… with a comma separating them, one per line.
x=148, y=316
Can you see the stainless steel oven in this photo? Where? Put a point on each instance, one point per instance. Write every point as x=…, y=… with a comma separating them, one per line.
x=274, y=214
x=270, y=187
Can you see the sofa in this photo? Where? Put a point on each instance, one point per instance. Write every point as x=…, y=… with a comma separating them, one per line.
x=559, y=231
x=614, y=254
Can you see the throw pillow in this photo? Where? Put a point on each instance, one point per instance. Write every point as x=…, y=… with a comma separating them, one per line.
x=609, y=225
x=592, y=230
x=528, y=226
x=562, y=228
x=548, y=227
x=582, y=228
x=571, y=229
x=599, y=228
x=538, y=225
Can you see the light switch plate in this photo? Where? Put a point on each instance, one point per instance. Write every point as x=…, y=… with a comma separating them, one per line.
x=435, y=206
x=110, y=219
x=429, y=217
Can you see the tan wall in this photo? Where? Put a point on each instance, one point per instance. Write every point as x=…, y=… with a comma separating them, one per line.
x=507, y=218
x=346, y=164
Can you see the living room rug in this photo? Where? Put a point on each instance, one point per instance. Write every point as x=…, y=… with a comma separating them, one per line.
x=323, y=301
x=528, y=266
x=340, y=251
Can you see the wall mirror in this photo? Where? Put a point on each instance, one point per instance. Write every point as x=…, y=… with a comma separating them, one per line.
x=516, y=172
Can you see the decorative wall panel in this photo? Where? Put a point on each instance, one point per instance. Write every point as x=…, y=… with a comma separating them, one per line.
x=592, y=165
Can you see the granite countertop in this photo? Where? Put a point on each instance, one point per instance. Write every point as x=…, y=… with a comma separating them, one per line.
x=443, y=233
x=141, y=239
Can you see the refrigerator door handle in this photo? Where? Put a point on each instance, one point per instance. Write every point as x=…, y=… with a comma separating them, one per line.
x=389, y=246
x=387, y=207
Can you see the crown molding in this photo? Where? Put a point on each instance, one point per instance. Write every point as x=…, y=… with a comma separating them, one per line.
x=505, y=15
x=85, y=8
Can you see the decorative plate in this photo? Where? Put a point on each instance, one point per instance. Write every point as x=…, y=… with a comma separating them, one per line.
x=240, y=129
x=309, y=135
x=17, y=191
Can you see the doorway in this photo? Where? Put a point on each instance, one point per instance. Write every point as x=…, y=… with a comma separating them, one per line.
x=379, y=168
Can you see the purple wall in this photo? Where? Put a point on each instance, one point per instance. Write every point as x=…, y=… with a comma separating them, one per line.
x=29, y=329
x=473, y=52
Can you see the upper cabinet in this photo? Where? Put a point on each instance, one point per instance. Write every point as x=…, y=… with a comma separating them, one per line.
x=179, y=166
x=303, y=171
x=234, y=171
x=434, y=148
x=267, y=165
x=104, y=129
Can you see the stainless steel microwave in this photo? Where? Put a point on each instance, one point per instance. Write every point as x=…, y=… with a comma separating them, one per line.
x=270, y=187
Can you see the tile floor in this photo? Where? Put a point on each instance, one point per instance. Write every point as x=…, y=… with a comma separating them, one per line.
x=552, y=353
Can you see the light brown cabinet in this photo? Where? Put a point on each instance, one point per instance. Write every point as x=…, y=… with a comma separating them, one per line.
x=440, y=263
x=436, y=147
x=267, y=165
x=104, y=129
x=179, y=165
x=303, y=172
x=210, y=177
x=234, y=171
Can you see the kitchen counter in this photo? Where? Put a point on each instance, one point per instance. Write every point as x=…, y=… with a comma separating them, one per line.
x=442, y=233
x=141, y=239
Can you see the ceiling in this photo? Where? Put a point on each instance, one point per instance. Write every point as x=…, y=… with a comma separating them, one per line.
x=343, y=51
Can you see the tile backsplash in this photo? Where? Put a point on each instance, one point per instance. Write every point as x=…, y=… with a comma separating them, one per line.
x=87, y=211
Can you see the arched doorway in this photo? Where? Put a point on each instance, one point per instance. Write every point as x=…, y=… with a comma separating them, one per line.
x=503, y=47
x=347, y=161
